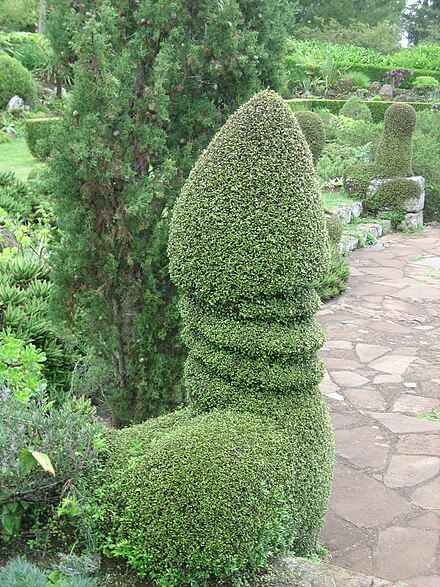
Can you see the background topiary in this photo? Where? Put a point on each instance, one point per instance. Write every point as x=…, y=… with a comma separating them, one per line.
x=394, y=153
x=355, y=108
x=15, y=80
x=313, y=130
x=248, y=237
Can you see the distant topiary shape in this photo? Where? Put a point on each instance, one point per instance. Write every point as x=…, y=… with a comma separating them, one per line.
x=15, y=80
x=394, y=153
x=313, y=130
x=245, y=471
x=356, y=108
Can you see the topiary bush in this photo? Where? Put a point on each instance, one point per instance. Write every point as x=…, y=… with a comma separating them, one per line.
x=38, y=133
x=394, y=153
x=392, y=195
x=248, y=239
x=15, y=80
x=356, y=108
x=313, y=130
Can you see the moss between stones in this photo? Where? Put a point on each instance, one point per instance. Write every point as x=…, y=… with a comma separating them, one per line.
x=313, y=130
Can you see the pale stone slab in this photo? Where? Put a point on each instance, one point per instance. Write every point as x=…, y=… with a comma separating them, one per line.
x=387, y=379
x=338, y=344
x=348, y=379
x=415, y=404
x=410, y=470
x=364, y=447
x=404, y=552
x=336, y=396
x=360, y=559
x=428, y=497
x=400, y=424
x=430, y=521
x=363, y=501
x=425, y=581
x=337, y=534
x=419, y=444
x=369, y=352
x=393, y=364
x=419, y=292
x=365, y=399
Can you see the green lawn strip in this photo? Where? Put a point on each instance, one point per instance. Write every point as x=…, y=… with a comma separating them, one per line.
x=15, y=156
x=333, y=199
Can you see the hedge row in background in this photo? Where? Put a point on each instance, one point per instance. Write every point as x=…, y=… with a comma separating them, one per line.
x=376, y=72
x=377, y=109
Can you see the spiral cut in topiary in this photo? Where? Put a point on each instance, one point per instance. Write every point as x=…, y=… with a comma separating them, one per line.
x=245, y=472
x=394, y=153
x=314, y=132
x=356, y=108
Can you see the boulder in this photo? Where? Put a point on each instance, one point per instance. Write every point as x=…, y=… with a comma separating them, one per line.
x=375, y=87
x=15, y=103
x=386, y=92
x=413, y=221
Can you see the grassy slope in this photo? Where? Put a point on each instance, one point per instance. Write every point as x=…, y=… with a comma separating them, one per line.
x=15, y=156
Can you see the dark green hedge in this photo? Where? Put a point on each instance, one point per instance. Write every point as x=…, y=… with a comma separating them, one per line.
x=378, y=108
x=38, y=133
x=376, y=72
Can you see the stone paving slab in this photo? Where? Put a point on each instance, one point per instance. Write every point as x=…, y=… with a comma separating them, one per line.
x=382, y=359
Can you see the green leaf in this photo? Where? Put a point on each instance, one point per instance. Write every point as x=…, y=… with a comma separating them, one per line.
x=8, y=523
x=29, y=458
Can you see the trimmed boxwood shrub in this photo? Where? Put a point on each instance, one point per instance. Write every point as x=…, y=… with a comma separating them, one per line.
x=334, y=282
x=313, y=130
x=377, y=109
x=38, y=132
x=357, y=109
x=391, y=195
x=15, y=80
x=394, y=153
x=208, y=493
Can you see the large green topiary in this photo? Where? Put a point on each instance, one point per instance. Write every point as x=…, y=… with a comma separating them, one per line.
x=15, y=80
x=356, y=108
x=313, y=130
x=394, y=153
x=214, y=490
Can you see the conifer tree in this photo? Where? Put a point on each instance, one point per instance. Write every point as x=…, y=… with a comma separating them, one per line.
x=153, y=81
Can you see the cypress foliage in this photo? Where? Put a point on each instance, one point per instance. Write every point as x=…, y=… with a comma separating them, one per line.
x=152, y=83
x=314, y=132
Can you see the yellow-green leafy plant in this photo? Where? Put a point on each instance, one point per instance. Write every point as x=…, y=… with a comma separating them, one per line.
x=244, y=472
x=356, y=108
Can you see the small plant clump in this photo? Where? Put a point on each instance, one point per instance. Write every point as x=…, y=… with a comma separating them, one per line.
x=392, y=195
x=38, y=132
x=248, y=239
x=334, y=282
x=313, y=130
x=425, y=83
x=356, y=109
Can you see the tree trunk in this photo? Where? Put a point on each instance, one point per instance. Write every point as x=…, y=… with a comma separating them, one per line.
x=42, y=17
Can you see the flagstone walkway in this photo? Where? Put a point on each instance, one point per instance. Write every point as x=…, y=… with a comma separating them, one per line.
x=383, y=372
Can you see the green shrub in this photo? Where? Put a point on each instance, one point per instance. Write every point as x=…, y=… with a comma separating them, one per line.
x=359, y=79
x=376, y=72
x=334, y=282
x=394, y=153
x=336, y=159
x=357, y=134
x=334, y=228
x=391, y=195
x=31, y=49
x=70, y=438
x=18, y=15
x=426, y=83
x=247, y=239
x=420, y=56
x=426, y=157
x=216, y=464
x=356, y=108
x=38, y=133
x=357, y=179
x=313, y=130
x=15, y=80
x=20, y=573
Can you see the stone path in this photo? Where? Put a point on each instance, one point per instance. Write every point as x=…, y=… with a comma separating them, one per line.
x=383, y=370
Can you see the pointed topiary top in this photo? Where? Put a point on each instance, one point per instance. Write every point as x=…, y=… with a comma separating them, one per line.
x=249, y=221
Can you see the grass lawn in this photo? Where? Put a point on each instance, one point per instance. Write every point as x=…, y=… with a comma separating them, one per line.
x=15, y=156
x=335, y=199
